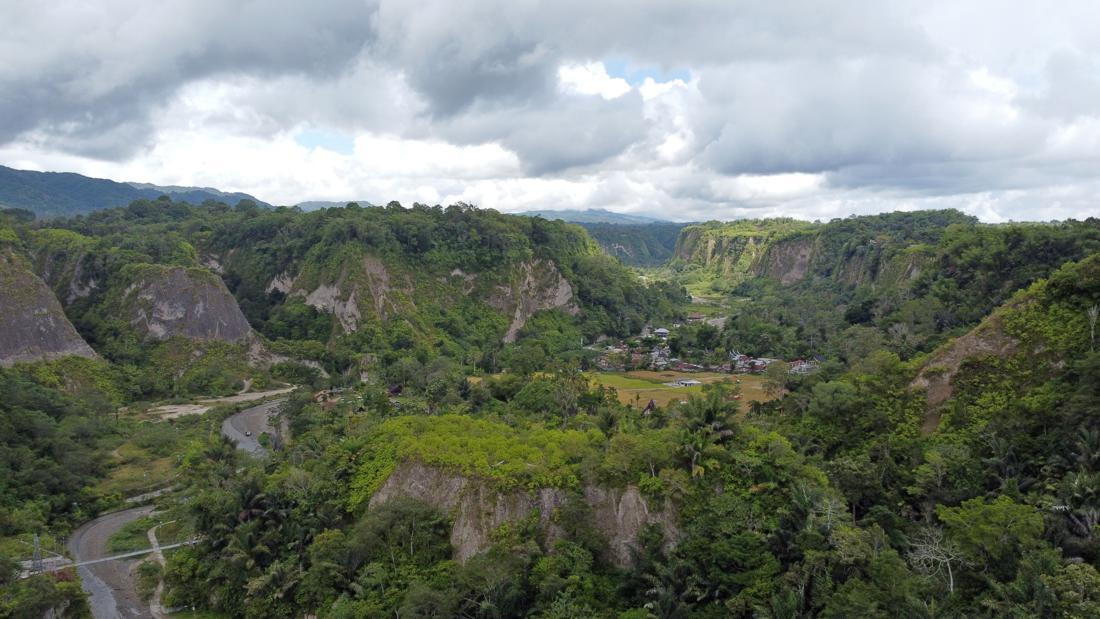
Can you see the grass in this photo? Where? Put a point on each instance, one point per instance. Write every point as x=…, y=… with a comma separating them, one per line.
x=132, y=535
x=136, y=471
x=641, y=386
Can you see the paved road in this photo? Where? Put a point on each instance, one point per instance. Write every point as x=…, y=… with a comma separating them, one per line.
x=255, y=420
x=109, y=586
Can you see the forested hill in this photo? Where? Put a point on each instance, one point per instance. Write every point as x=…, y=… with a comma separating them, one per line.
x=456, y=452
x=904, y=281
x=59, y=194
x=637, y=244
x=331, y=284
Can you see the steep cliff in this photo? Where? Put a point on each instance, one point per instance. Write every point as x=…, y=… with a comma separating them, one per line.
x=367, y=289
x=68, y=262
x=788, y=260
x=740, y=250
x=33, y=326
x=479, y=510
x=535, y=285
x=162, y=301
x=857, y=251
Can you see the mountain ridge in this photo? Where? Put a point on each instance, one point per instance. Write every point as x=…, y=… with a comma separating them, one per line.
x=592, y=216
x=61, y=194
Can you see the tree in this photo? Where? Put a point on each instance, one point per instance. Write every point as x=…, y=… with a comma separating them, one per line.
x=993, y=535
x=707, y=422
x=775, y=379
x=930, y=553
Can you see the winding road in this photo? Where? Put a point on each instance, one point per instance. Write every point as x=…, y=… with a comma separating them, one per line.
x=245, y=427
x=109, y=585
x=110, y=588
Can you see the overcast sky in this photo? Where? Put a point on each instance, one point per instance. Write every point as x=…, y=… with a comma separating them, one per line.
x=682, y=110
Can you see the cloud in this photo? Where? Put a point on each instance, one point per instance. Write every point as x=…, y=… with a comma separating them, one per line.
x=591, y=78
x=80, y=74
x=691, y=110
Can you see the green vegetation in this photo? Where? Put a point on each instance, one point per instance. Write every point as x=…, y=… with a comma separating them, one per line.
x=534, y=457
x=451, y=473
x=906, y=282
x=53, y=194
x=637, y=244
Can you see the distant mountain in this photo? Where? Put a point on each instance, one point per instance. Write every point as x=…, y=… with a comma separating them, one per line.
x=196, y=195
x=60, y=194
x=316, y=205
x=594, y=216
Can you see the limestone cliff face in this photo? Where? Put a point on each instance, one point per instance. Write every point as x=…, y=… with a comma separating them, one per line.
x=478, y=510
x=368, y=289
x=362, y=287
x=72, y=277
x=790, y=255
x=536, y=285
x=33, y=326
x=162, y=302
x=781, y=250
x=788, y=261
x=732, y=257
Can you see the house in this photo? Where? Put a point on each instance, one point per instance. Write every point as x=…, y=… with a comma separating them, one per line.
x=803, y=366
x=696, y=317
x=687, y=382
x=661, y=332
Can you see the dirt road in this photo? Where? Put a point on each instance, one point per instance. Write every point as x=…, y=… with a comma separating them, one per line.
x=172, y=411
x=245, y=427
x=109, y=585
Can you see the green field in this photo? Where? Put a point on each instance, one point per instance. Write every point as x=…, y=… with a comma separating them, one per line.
x=641, y=386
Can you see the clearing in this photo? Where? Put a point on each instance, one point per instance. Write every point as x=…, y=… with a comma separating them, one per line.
x=640, y=386
x=172, y=411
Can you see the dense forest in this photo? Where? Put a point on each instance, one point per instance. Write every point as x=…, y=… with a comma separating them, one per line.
x=450, y=450
x=637, y=244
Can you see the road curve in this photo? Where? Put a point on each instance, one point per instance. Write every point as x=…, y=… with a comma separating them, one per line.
x=109, y=586
x=254, y=420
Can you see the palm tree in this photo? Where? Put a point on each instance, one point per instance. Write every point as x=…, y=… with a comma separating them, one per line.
x=707, y=421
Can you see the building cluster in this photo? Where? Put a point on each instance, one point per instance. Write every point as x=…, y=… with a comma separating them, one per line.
x=622, y=356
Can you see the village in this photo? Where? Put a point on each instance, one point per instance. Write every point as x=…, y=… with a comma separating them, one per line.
x=651, y=351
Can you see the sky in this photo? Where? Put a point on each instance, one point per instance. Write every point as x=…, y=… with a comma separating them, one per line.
x=687, y=110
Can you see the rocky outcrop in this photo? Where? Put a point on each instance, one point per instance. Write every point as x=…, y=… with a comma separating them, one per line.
x=162, y=302
x=33, y=326
x=282, y=283
x=331, y=299
x=478, y=510
x=537, y=285
x=363, y=287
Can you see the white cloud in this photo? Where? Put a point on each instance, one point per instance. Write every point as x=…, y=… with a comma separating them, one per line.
x=778, y=109
x=591, y=78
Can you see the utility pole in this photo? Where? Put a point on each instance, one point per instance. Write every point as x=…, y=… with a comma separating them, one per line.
x=1094, y=312
x=36, y=558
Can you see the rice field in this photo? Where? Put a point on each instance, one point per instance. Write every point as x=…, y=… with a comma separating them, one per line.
x=640, y=386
